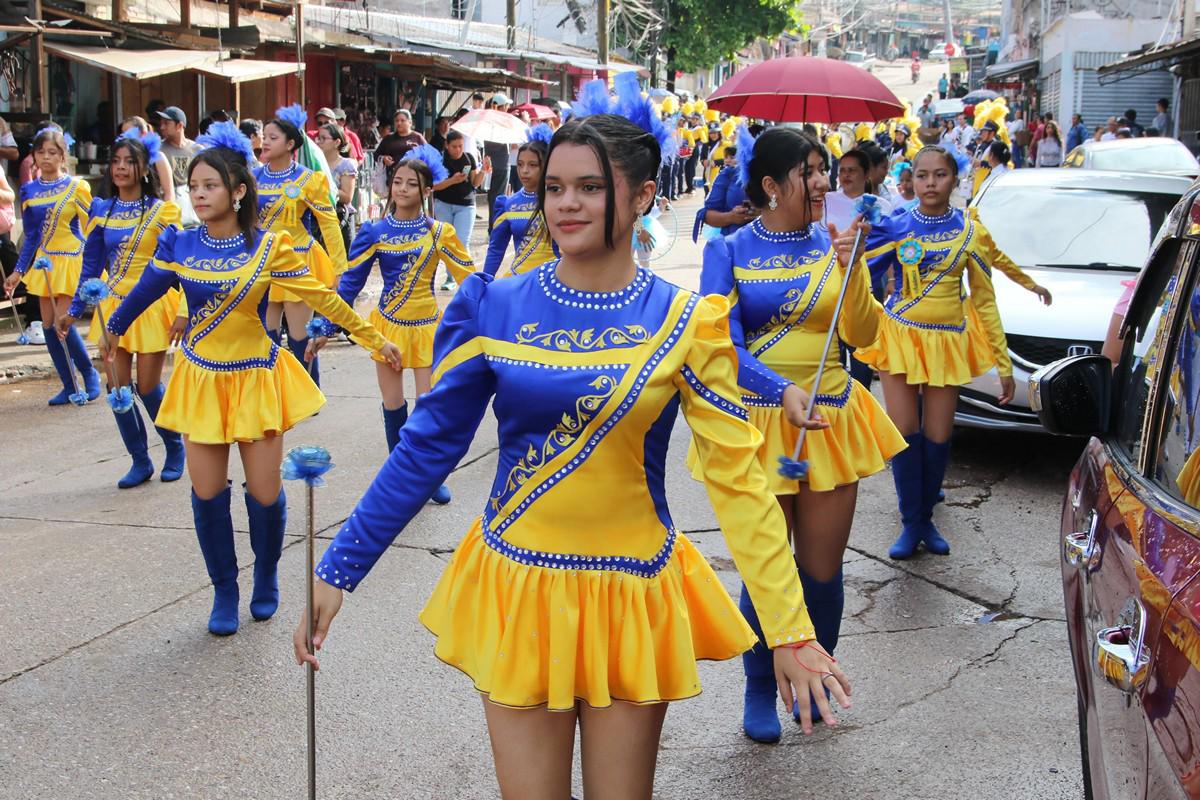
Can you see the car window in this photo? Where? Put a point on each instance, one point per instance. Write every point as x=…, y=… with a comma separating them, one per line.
x=1065, y=227
x=1167, y=157
x=1176, y=465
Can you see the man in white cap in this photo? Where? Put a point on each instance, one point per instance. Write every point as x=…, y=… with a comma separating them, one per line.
x=497, y=153
x=176, y=146
x=356, y=148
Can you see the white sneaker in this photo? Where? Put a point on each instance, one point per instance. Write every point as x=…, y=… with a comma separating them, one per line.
x=449, y=285
x=35, y=334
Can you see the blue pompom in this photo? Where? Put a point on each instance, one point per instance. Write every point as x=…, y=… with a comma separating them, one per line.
x=294, y=114
x=867, y=206
x=78, y=398
x=792, y=469
x=93, y=290
x=69, y=139
x=319, y=327
x=43, y=263
x=745, y=154
x=540, y=133
x=429, y=154
x=22, y=338
x=307, y=463
x=120, y=399
x=229, y=136
x=593, y=99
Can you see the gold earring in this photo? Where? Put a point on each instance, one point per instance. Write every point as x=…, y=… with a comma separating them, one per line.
x=774, y=204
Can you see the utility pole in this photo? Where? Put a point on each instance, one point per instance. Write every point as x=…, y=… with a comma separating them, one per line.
x=41, y=90
x=949, y=24
x=511, y=14
x=299, y=17
x=602, y=34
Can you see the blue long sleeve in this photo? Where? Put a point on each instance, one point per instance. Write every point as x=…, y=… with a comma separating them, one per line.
x=716, y=277
x=432, y=442
x=501, y=235
x=355, y=278
x=880, y=249
x=95, y=259
x=32, y=236
x=154, y=283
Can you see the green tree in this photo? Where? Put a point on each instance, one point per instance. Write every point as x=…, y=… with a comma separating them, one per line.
x=700, y=33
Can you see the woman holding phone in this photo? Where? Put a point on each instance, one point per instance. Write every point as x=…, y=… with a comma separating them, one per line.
x=454, y=197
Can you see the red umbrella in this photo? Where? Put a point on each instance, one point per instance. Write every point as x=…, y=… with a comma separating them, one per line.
x=805, y=89
x=534, y=110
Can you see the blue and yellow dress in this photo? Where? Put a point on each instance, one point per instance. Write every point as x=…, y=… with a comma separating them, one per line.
x=295, y=201
x=54, y=216
x=234, y=384
x=782, y=289
x=408, y=252
x=517, y=218
x=925, y=334
x=575, y=583
x=122, y=237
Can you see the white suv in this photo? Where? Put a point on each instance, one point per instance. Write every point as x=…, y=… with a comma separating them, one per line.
x=861, y=59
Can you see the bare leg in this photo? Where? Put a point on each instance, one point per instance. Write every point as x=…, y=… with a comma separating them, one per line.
x=149, y=371
x=261, y=461
x=821, y=529
x=123, y=366
x=208, y=468
x=938, y=412
x=422, y=376
x=619, y=748
x=533, y=749
x=391, y=385
x=901, y=400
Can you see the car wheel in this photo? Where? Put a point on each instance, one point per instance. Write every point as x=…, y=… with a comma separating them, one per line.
x=1085, y=762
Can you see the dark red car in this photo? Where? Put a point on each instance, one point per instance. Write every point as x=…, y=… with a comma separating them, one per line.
x=1131, y=530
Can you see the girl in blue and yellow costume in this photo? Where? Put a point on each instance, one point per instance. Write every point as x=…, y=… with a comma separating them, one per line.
x=234, y=384
x=123, y=233
x=297, y=200
x=407, y=244
x=574, y=593
x=782, y=276
x=925, y=350
x=518, y=216
x=54, y=213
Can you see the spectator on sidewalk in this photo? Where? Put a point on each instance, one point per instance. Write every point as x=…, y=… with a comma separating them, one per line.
x=1050, y=148
x=395, y=146
x=497, y=154
x=1135, y=130
x=355, y=143
x=943, y=87
x=1015, y=127
x=1110, y=132
x=177, y=148
x=454, y=198
x=1162, y=120
x=440, y=128
x=1078, y=133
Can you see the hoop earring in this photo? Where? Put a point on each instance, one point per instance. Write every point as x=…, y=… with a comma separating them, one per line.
x=774, y=204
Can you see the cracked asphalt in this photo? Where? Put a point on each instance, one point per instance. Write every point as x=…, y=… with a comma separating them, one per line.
x=110, y=686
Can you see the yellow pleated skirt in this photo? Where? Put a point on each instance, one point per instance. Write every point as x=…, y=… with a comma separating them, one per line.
x=928, y=357
x=415, y=341
x=61, y=279
x=858, y=443
x=211, y=407
x=319, y=264
x=150, y=332
x=530, y=636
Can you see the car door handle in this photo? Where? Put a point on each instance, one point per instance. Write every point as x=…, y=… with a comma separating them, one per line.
x=1120, y=654
x=1080, y=549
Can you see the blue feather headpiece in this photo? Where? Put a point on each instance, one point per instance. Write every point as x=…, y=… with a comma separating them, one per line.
x=150, y=140
x=429, y=154
x=93, y=290
x=230, y=137
x=540, y=133
x=745, y=154
x=307, y=463
x=593, y=99
x=294, y=114
x=641, y=112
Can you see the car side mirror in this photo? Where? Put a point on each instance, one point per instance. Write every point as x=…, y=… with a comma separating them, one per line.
x=1073, y=396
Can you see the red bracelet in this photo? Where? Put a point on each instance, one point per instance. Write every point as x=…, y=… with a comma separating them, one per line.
x=810, y=643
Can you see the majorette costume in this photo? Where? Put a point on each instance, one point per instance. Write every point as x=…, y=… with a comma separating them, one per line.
x=122, y=237
x=925, y=336
x=517, y=218
x=782, y=290
x=298, y=201
x=54, y=215
x=234, y=384
x=574, y=583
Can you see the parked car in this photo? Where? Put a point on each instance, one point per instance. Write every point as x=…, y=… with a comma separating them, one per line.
x=1130, y=549
x=1148, y=154
x=860, y=59
x=1079, y=234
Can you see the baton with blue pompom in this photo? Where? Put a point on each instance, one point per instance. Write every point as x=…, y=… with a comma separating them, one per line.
x=43, y=264
x=92, y=292
x=309, y=464
x=793, y=468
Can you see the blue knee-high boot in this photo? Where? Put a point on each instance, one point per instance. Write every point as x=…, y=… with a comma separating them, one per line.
x=83, y=363
x=58, y=356
x=760, y=720
x=906, y=473
x=214, y=531
x=298, y=346
x=825, y=601
x=934, y=457
x=393, y=421
x=173, y=465
x=267, y=525
x=133, y=434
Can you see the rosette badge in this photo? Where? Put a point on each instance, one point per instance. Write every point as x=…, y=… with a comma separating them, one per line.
x=307, y=463
x=910, y=252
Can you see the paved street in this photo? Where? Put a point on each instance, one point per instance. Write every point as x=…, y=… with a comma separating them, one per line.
x=110, y=686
